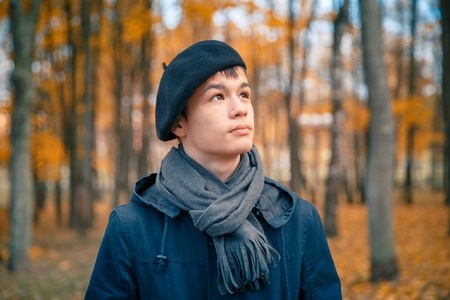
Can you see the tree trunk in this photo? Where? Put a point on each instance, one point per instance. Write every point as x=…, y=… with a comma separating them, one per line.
x=40, y=194
x=58, y=202
x=146, y=46
x=335, y=175
x=360, y=150
x=408, y=184
x=59, y=65
x=70, y=111
x=295, y=181
x=311, y=189
x=445, y=24
x=445, y=10
x=381, y=151
x=120, y=170
x=436, y=148
x=409, y=167
x=83, y=215
x=22, y=26
x=97, y=8
x=398, y=53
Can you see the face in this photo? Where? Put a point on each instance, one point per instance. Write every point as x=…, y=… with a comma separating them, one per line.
x=220, y=118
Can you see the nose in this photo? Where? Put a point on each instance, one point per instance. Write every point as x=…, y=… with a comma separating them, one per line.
x=238, y=108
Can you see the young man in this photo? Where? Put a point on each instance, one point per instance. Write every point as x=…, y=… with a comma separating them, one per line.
x=209, y=225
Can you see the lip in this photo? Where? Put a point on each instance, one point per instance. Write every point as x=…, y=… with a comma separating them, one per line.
x=241, y=129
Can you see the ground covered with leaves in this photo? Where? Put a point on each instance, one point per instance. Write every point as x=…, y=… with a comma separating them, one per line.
x=61, y=259
x=422, y=248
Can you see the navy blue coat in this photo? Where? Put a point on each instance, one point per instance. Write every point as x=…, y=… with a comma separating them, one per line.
x=151, y=250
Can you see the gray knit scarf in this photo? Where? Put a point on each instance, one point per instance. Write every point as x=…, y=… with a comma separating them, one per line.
x=223, y=210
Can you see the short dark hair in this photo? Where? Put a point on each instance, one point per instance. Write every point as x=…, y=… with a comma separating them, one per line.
x=228, y=72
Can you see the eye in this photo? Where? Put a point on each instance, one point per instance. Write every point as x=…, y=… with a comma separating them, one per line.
x=217, y=97
x=245, y=95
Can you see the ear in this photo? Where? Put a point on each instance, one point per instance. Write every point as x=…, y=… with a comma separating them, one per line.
x=179, y=128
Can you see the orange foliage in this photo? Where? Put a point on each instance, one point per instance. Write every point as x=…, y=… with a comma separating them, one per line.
x=5, y=145
x=137, y=23
x=274, y=21
x=4, y=8
x=262, y=44
x=47, y=151
x=319, y=107
x=357, y=116
x=414, y=111
x=53, y=20
x=417, y=112
x=198, y=10
x=5, y=149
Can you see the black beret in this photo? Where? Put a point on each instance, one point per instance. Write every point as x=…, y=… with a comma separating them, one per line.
x=185, y=73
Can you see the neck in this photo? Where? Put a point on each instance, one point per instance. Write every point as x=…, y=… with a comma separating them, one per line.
x=221, y=167
x=223, y=170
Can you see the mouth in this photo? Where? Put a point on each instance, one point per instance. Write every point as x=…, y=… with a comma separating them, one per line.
x=241, y=129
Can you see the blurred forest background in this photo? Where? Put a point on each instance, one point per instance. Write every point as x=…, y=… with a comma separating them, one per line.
x=352, y=104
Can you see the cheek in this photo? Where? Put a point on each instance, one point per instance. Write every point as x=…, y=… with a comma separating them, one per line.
x=202, y=124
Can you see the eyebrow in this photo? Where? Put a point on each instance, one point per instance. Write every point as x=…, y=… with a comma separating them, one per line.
x=221, y=86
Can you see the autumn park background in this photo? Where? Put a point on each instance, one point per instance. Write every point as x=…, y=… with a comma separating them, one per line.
x=352, y=104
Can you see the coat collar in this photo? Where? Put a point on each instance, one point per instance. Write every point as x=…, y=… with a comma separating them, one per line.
x=276, y=203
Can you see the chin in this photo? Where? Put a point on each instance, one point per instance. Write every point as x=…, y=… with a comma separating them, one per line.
x=244, y=148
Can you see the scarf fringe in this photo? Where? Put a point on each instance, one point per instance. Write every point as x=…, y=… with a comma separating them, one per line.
x=244, y=265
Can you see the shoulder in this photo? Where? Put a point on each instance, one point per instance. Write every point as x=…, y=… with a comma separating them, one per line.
x=133, y=212
x=133, y=209
x=276, y=190
x=280, y=204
